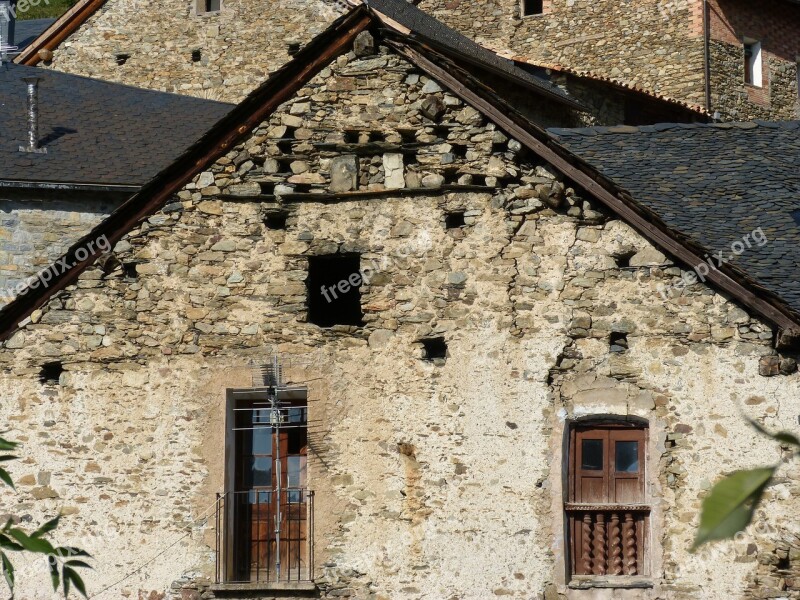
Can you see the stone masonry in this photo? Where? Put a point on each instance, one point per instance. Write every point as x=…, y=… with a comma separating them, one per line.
x=433, y=479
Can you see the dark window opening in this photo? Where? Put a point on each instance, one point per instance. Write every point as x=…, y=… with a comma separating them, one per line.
x=623, y=259
x=351, y=137
x=796, y=216
x=532, y=7
x=122, y=58
x=196, y=55
x=267, y=187
x=377, y=136
x=618, y=342
x=51, y=373
x=334, y=296
x=213, y=5
x=459, y=150
x=276, y=221
x=434, y=348
x=454, y=220
x=129, y=270
x=285, y=145
x=784, y=564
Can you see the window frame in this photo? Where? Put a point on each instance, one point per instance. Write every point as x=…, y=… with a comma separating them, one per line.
x=586, y=509
x=753, y=62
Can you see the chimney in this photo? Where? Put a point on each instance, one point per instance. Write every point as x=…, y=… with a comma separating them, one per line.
x=8, y=10
x=33, y=116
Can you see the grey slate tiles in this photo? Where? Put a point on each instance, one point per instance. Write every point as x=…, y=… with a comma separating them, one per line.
x=96, y=132
x=713, y=183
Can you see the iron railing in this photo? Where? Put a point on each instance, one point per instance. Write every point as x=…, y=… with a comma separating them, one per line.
x=265, y=536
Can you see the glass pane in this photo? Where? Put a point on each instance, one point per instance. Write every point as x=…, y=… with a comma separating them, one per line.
x=262, y=440
x=261, y=467
x=592, y=455
x=296, y=477
x=261, y=416
x=627, y=457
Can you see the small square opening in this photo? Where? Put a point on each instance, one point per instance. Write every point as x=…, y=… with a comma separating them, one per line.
x=197, y=55
x=532, y=7
x=51, y=373
x=454, y=220
x=618, y=342
x=434, y=348
x=276, y=221
x=334, y=296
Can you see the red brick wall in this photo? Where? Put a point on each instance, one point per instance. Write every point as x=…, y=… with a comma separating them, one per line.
x=775, y=23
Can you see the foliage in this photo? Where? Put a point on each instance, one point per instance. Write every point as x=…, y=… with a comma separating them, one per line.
x=730, y=505
x=45, y=9
x=62, y=560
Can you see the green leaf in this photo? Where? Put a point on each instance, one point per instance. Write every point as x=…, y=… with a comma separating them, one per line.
x=6, y=478
x=729, y=507
x=70, y=551
x=782, y=436
x=7, y=457
x=6, y=445
x=31, y=544
x=8, y=571
x=47, y=527
x=76, y=580
x=8, y=543
x=78, y=563
x=67, y=581
x=54, y=575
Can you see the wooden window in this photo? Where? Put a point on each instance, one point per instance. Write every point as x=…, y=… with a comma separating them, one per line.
x=606, y=509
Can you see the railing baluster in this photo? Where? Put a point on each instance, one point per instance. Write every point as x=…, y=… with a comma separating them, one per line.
x=599, y=545
x=629, y=542
x=615, y=543
x=586, y=547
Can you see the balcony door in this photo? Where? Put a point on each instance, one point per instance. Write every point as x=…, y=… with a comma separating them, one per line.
x=266, y=494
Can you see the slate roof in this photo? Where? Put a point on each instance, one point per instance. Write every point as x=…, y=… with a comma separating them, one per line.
x=28, y=30
x=713, y=183
x=443, y=38
x=96, y=132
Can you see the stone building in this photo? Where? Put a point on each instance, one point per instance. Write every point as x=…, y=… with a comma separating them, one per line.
x=746, y=70
x=659, y=46
x=224, y=52
x=472, y=316
x=96, y=143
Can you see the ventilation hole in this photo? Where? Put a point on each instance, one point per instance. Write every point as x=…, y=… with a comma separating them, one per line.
x=196, y=55
x=784, y=564
x=293, y=48
x=303, y=188
x=276, y=221
x=796, y=216
x=267, y=188
x=410, y=159
x=434, y=348
x=409, y=136
x=129, y=270
x=478, y=180
x=454, y=220
x=459, y=150
x=122, y=58
x=333, y=284
x=284, y=164
x=351, y=137
x=623, y=259
x=618, y=342
x=377, y=136
x=285, y=146
x=532, y=7
x=50, y=373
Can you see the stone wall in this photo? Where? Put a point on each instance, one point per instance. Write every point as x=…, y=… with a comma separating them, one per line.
x=170, y=47
x=35, y=232
x=433, y=478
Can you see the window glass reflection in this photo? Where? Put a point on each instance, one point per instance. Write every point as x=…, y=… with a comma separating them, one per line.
x=592, y=455
x=627, y=457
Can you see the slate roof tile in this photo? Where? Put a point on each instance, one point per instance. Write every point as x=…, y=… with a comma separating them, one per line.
x=96, y=132
x=715, y=184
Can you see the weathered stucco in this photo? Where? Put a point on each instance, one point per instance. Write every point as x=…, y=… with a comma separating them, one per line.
x=435, y=479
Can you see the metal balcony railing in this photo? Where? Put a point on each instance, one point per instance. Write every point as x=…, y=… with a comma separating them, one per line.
x=265, y=536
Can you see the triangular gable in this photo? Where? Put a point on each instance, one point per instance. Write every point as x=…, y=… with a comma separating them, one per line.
x=337, y=39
